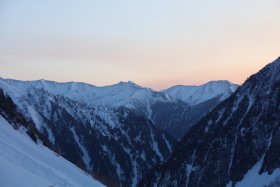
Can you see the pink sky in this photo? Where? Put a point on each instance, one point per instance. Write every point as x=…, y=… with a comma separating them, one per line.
x=153, y=43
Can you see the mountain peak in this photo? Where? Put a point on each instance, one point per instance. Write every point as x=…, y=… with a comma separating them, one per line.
x=129, y=83
x=269, y=72
x=126, y=82
x=197, y=94
x=276, y=62
x=218, y=82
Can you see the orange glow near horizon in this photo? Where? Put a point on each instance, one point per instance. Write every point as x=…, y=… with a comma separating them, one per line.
x=156, y=44
x=233, y=74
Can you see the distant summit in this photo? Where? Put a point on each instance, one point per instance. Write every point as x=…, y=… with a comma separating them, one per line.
x=194, y=95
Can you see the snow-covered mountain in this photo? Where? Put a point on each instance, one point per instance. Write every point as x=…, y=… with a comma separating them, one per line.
x=129, y=94
x=166, y=109
x=123, y=94
x=112, y=132
x=194, y=95
x=24, y=163
x=237, y=144
x=112, y=145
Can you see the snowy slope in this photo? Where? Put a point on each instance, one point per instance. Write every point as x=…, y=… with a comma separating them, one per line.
x=253, y=178
x=194, y=95
x=24, y=163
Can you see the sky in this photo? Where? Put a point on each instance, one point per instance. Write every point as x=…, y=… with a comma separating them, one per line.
x=154, y=43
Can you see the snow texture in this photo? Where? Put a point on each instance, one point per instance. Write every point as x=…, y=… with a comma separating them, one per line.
x=86, y=157
x=253, y=178
x=24, y=163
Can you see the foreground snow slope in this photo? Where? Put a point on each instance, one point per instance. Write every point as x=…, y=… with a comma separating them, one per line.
x=253, y=178
x=24, y=163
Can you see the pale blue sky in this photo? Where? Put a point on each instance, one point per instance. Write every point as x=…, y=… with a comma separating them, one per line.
x=154, y=43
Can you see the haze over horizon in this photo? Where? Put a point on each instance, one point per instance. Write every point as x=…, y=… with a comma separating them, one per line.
x=155, y=44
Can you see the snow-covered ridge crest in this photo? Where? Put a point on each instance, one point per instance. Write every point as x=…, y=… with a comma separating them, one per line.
x=121, y=94
x=193, y=95
x=127, y=94
x=170, y=110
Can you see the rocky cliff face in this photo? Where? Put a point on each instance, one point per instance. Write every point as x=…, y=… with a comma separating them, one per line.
x=239, y=133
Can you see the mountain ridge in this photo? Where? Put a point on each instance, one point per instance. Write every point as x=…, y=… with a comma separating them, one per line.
x=193, y=95
x=144, y=101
